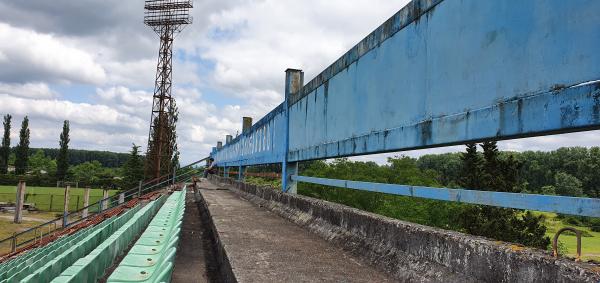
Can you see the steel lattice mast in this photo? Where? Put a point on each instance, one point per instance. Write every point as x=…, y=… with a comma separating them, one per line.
x=166, y=18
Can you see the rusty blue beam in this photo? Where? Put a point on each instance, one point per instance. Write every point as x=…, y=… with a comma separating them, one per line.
x=448, y=72
x=558, y=204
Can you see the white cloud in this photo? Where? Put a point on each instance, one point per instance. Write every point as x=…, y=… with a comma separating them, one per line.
x=28, y=90
x=44, y=57
x=228, y=64
x=253, y=43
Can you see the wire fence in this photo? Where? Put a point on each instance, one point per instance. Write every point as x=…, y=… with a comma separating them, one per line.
x=51, y=202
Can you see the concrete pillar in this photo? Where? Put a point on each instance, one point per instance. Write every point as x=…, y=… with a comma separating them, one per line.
x=241, y=170
x=121, y=198
x=226, y=172
x=246, y=124
x=105, y=200
x=228, y=139
x=19, y=200
x=66, y=206
x=294, y=81
x=86, y=201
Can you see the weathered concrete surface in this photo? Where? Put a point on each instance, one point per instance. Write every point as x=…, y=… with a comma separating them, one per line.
x=190, y=260
x=263, y=247
x=412, y=252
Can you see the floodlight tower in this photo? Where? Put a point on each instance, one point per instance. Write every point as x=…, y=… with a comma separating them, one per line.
x=167, y=18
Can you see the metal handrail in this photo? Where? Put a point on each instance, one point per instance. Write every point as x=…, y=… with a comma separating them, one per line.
x=170, y=177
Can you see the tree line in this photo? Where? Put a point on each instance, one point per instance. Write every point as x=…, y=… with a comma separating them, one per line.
x=44, y=166
x=566, y=171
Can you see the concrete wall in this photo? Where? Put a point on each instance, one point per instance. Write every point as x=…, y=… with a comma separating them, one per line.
x=413, y=252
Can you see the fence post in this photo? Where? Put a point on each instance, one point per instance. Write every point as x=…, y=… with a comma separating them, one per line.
x=66, y=206
x=294, y=81
x=121, y=198
x=104, y=199
x=140, y=188
x=14, y=242
x=19, y=202
x=51, y=199
x=86, y=201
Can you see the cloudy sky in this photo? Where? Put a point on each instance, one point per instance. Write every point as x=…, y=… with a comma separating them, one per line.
x=93, y=62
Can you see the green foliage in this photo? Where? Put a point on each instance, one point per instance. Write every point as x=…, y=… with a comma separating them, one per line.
x=567, y=185
x=40, y=163
x=5, y=149
x=79, y=156
x=93, y=174
x=447, y=165
x=493, y=173
x=164, y=128
x=548, y=190
x=62, y=160
x=22, y=150
x=133, y=169
x=537, y=169
x=400, y=170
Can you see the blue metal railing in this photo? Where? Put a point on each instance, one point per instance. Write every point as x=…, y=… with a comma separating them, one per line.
x=411, y=84
x=559, y=204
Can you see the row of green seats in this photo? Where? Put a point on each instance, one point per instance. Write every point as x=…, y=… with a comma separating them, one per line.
x=33, y=255
x=93, y=266
x=61, y=250
x=151, y=258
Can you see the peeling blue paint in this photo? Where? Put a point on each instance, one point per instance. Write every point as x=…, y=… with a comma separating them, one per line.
x=468, y=71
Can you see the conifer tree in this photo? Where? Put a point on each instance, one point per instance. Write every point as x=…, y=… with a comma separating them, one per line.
x=62, y=160
x=501, y=175
x=133, y=169
x=22, y=150
x=5, y=149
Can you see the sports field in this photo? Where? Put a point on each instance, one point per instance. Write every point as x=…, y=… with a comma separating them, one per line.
x=51, y=199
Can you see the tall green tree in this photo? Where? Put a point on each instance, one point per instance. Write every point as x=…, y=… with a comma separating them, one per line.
x=501, y=175
x=5, y=149
x=164, y=129
x=40, y=163
x=62, y=160
x=133, y=169
x=567, y=185
x=22, y=151
x=471, y=168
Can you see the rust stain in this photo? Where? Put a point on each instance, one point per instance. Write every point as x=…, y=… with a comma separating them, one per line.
x=516, y=248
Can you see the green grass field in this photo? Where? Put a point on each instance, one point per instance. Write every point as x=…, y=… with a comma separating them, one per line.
x=590, y=245
x=51, y=199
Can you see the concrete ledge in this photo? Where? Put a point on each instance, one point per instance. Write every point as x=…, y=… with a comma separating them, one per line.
x=412, y=252
x=225, y=273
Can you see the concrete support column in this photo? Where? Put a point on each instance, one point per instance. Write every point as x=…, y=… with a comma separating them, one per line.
x=105, y=200
x=246, y=124
x=121, y=198
x=291, y=186
x=66, y=206
x=20, y=199
x=226, y=172
x=241, y=170
x=294, y=81
x=86, y=201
